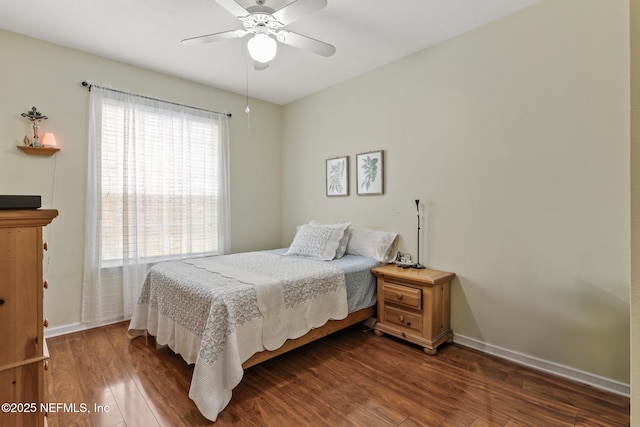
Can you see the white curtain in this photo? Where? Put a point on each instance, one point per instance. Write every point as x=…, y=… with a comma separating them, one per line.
x=157, y=190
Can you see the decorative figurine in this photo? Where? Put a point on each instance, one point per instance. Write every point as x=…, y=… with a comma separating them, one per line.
x=35, y=118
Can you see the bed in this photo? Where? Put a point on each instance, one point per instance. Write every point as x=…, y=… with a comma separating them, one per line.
x=226, y=313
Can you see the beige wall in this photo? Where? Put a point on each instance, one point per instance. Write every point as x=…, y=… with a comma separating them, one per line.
x=516, y=138
x=35, y=73
x=635, y=212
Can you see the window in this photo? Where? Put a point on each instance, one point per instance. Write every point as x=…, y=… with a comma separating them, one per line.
x=157, y=190
x=165, y=186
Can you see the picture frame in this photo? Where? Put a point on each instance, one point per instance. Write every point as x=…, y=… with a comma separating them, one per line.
x=370, y=173
x=337, y=176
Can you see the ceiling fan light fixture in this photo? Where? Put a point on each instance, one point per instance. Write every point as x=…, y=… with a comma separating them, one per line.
x=262, y=48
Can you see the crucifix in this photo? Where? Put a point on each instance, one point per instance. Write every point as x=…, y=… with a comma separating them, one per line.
x=35, y=117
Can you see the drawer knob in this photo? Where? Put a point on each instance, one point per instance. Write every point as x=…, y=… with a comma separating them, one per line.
x=46, y=322
x=401, y=318
x=399, y=296
x=46, y=365
x=45, y=284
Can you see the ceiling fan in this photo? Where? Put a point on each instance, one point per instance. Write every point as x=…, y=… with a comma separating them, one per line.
x=266, y=25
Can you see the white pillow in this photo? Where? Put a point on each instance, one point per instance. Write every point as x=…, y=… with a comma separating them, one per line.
x=379, y=245
x=342, y=246
x=316, y=241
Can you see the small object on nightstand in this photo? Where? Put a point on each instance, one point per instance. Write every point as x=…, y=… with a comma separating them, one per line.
x=403, y=260
x=414, y=305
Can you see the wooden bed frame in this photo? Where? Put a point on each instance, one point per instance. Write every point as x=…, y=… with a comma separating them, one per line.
x=330, y=327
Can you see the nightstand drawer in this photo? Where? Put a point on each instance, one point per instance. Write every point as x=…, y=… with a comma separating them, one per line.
x=403, y=318
x=403, y=295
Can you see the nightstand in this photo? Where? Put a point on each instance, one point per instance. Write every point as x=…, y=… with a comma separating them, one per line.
x=414, y=305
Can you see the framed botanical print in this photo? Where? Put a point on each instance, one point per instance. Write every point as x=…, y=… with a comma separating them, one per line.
x=337, y=172
x=370, y=172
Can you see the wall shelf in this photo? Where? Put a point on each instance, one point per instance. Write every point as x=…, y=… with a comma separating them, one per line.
x=40, y=151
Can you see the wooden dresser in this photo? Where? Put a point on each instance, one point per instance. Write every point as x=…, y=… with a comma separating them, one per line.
x=23, y=356
x=414, y=305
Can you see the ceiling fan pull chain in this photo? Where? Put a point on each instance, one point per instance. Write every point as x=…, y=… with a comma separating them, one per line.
x=247, y=109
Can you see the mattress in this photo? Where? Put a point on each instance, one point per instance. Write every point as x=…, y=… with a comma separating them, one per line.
x=360, y=282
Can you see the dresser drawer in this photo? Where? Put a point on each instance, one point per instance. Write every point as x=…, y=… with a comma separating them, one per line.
x=403, y=318
x=403, y=295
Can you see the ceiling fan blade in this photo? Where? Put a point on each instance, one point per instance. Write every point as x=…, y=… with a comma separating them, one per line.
x=306, y=43
x=259, y=66
x=209, y=38
x=297, y=9
x=233, y=7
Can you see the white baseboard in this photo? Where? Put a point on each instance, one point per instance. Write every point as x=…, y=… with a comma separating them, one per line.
x=63, y=330
x=74, y=327
x=546, y=366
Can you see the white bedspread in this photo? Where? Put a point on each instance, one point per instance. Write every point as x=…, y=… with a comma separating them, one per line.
x=217, y=312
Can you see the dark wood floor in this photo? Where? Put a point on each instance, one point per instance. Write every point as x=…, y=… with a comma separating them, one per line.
x=351, y=378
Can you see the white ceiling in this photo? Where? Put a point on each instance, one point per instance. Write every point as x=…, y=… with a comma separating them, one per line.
x=147, y=33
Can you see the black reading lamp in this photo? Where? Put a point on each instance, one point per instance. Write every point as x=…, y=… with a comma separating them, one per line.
x=417, y=264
